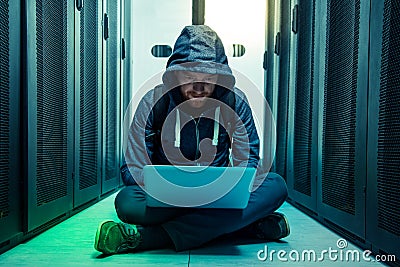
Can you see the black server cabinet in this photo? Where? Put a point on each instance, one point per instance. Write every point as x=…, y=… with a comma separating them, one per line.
x=271, y=68
x=269, y=58
x=126, y=57
x=48, y=96
x=111, y=95
x=383, y=183
x=88, y=102
x=283, y=89
x=342, y=136
x=302, y=118
x=10, y=163
x=269, y=52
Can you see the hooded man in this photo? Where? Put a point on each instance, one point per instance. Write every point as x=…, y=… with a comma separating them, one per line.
x=196, y=117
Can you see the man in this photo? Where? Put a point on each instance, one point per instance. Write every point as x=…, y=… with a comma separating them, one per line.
x=204, y=117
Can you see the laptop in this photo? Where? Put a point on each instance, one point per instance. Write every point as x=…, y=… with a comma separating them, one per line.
x=198, y=186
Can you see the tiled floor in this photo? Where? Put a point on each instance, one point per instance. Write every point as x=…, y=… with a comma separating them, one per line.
x=70, y=243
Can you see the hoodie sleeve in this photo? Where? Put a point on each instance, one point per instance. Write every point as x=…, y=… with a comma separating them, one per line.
x=246, y=143
x=137, y=154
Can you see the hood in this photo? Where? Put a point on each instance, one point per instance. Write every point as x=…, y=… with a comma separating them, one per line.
x=199, y=49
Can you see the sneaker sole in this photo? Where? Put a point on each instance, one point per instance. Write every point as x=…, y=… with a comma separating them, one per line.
x=96, y=240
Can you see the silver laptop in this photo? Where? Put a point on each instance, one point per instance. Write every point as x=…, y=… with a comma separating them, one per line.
x=198, y=186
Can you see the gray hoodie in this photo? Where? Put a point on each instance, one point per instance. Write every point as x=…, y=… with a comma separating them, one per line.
x=219, y=136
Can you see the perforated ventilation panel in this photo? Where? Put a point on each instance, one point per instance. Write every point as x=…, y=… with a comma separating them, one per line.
x=389, y=123
x=304, y=98
x=112, y=87
x=51, y=39
x=4, y=110
x=89, y=112
x=338, y=163
x=281, y=129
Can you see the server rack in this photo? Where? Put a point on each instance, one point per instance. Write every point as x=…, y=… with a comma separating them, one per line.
x=111, y=95
x=125, y=68
x=48, y=97
x=302, y=111
x=88, y=101
x=10, y=163
x=342, y=134
x=271, y=67
x=283, y=89
x=383, y=177
x=52, y=104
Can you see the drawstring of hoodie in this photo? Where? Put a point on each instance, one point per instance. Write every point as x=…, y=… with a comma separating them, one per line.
x=177, y=142
x=216, y=126
x=177, y=129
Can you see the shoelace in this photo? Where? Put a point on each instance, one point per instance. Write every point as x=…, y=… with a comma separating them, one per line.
x=132, y=238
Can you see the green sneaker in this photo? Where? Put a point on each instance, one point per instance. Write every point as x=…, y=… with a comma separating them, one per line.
x=112, y=237
x=272, y=227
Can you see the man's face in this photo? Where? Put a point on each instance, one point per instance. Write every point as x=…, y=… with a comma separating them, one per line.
x=196, y=87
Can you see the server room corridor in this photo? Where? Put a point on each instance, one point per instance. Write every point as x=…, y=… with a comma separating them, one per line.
x=322, y=83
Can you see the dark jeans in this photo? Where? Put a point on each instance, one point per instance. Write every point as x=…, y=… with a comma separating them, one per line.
x=192, y=227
